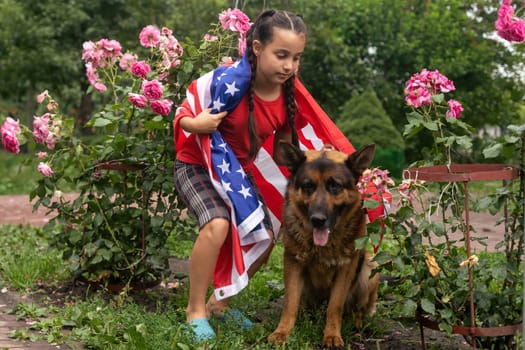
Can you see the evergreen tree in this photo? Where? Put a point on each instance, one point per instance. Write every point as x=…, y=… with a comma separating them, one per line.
x=364, y=120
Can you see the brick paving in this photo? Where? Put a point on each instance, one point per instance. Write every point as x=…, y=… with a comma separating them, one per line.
x=8, y=324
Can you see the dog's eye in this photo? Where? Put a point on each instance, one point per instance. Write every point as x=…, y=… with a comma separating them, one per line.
x=308, y=187
x=333, y=187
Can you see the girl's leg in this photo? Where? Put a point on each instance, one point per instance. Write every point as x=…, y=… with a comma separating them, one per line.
x=202, y=265
x=216, y=307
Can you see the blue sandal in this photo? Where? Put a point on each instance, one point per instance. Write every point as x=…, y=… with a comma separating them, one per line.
x=202, y=329
x=236, y=316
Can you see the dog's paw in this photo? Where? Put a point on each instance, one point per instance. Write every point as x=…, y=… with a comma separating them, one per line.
x=359, y=321
x=277, y=338
x=333, y=342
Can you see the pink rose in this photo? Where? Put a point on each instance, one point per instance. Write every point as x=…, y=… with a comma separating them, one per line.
x=517, y=30
x=149, y=36
x=137, y=100
x=90, y=52
x=140, y=69
x=508, y=26
x=10, y=129
x=91, y=73
x=52, y=106
x=45, y=169
x=42, y=96
x=418, y=97
x=41, y=155
x=109, y=48
x=455, y=109
x=504, y=20
x=101, y=87
x=41, y=128
x=162, y=107
x=152, y=89
x=235, y=20
x=127, y=60
x=51, y=141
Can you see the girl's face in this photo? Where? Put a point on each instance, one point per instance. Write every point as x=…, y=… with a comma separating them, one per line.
x=279, y=59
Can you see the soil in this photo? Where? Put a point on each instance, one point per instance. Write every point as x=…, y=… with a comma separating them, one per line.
x=17, y=209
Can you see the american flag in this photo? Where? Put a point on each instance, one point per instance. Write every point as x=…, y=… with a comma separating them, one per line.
x=221, y=90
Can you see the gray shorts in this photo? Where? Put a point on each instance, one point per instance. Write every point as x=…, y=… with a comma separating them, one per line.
x=196, y=190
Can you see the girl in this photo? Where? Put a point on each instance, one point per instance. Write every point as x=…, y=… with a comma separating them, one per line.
x=275, y=43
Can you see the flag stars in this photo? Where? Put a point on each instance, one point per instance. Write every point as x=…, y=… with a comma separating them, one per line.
x=225, y=167
x=224, y=146
x=231, y=89
x=217, y=104
x=227, y=186
x=245, y=191
x=241, y=171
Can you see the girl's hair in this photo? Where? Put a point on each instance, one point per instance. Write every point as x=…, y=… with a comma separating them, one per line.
x=262, y=30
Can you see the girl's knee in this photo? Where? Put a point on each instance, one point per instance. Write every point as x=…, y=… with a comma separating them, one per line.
x=215, y=231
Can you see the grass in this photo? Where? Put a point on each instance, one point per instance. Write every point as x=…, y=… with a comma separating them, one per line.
x=18, y=173
x=25, y=258
x=156, y=319
x=153, y=320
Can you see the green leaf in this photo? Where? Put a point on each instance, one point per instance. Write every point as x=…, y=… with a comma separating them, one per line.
x=492, y=151
x=409, y=307
x=518, y=129
x=464, y=141
x=438, y=98
x=100, y=122
x=370, y=204
x=361, y=242
x=445, y=327
x=428, y=306
x=432, y=125
x=382, y=257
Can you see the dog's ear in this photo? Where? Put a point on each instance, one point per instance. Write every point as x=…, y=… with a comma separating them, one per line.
x=291, y=155
x=360, y=160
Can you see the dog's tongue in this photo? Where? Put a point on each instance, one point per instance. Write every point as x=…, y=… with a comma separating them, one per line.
x=321, y=236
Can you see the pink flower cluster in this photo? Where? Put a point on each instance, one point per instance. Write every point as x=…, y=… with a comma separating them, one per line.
x=408, y=190
x=152, y=92
x=10, y=130
x=104, y=52
x=508, y=25
x=236, y=21
x=420, y=88
x=98, y=56
x=163, y=40
x=46, y=130
x=378, y=177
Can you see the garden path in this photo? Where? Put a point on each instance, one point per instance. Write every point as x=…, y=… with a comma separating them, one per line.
x=17, y=209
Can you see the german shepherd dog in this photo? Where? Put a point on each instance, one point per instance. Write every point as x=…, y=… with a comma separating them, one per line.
x=322, y=217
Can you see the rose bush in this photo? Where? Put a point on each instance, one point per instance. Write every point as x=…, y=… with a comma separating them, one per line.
x=125, y=205
x=427, y=224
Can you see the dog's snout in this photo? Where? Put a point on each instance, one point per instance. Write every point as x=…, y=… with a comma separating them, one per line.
x=318, y=220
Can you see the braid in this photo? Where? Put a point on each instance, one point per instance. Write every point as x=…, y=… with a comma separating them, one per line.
x=252, y=127
x=291, y=108
x=262, y=30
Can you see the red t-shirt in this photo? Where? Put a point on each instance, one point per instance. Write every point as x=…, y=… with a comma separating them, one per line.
x=270, y=116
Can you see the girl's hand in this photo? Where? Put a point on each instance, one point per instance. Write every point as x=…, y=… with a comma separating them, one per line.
x=204, y=123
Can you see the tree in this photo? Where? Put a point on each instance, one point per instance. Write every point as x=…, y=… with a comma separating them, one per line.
x=363, y=120
x=41, y=43
x=382, y=43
